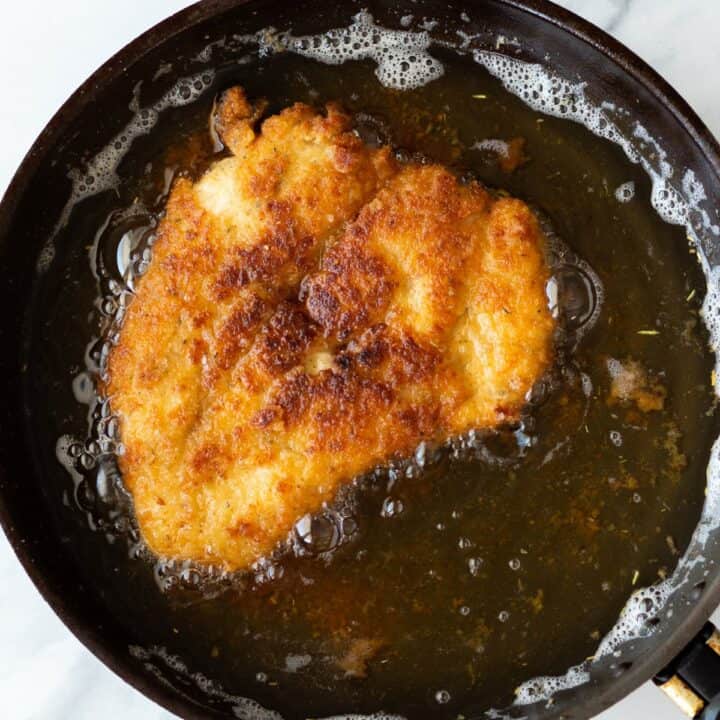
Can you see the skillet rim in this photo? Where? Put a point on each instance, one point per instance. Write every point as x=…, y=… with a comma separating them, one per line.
x=542, y=11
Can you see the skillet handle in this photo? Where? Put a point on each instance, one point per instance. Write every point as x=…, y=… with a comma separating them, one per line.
x=692, y=679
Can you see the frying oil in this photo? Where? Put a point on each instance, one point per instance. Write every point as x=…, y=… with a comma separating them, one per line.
x=437, y=584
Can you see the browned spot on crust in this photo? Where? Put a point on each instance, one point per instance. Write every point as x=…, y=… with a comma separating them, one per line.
x=284, y=339
x=237, y=333
x=205, y=458
x=197, y=350
x=352, y=288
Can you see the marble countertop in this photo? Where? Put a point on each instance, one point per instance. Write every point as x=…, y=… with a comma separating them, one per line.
x=45, y=673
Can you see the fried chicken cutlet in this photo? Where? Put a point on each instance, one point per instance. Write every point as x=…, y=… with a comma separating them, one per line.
x=313, y=309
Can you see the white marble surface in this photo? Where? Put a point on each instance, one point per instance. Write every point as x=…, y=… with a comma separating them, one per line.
x=46, y=50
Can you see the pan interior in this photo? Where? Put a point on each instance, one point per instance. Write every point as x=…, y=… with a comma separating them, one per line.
x=455, y=578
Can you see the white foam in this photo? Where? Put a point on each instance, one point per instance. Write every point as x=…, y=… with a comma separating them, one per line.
x=401, y=55
x=242, y=708
x=402, y=63
x=644, y=604
x=100, y=172
x=542, y=688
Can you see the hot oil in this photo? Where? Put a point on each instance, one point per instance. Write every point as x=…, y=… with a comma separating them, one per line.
x=438, y=585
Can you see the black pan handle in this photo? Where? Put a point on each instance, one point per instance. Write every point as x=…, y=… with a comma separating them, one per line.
x=692, y=679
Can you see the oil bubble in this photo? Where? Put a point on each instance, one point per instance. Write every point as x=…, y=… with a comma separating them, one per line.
x=474, y=566
x=266, y=570
x=83, y=388
x=572, y=297
x=391, y=507
x=316, y=534
x=625, y=192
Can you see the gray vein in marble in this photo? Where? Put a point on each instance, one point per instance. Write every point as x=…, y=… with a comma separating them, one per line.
x=623, y=7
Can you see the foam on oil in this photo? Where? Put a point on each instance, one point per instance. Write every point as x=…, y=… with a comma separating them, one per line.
x=100, y=173
x=403, y=62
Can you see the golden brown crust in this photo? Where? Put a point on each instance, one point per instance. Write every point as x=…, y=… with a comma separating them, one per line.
x=312, y=310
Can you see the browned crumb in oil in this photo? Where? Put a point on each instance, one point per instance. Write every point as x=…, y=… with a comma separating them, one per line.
x=478, y=637
x=581, y=518
x=630, y=383
x=357, y=656
x=537, y=601
x=677, y=460
x=425, y=130
x=514, y=156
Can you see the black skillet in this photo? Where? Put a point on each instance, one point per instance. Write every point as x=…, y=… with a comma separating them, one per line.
x=92, y=116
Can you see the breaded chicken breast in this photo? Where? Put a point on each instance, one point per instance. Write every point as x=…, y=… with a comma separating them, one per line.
x=314, y=309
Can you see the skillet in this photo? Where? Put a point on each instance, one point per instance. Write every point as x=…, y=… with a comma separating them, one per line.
x=30, y=486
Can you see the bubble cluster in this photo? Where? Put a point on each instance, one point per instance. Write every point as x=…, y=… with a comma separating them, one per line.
x=504, y=447
x=637, y=620
x=267, y=569
x=171, y=574
x=403, y=62
x=392, y=507
x=157, y=660
x=98, y=490
x=543, y=688
x=99, y=174
x=710, y=312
